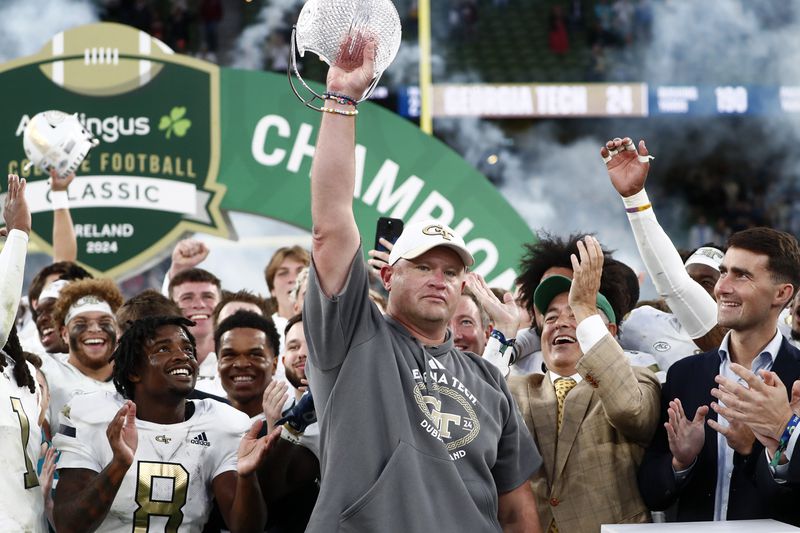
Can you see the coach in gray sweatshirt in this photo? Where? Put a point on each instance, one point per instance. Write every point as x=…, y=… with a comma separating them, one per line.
x=415, y=434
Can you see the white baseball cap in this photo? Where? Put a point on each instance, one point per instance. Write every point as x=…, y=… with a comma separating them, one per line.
x=708, y=256
x=419, y=237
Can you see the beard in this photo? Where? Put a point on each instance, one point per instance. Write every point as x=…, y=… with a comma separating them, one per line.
x=76, y=348
x=293, y=377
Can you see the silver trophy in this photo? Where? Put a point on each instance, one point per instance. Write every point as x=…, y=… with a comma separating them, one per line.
x=339, y=29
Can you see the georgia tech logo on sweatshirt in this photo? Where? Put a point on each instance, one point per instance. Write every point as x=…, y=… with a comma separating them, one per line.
x=449, y=415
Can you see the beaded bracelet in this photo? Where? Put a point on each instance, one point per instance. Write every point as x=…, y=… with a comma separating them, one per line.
x=784, y=441
x=340, y=98
x=344, y=112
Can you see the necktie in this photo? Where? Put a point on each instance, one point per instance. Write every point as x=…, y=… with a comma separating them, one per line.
x=563, y=386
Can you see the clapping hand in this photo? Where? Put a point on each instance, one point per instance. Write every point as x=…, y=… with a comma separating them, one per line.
x=686, y=437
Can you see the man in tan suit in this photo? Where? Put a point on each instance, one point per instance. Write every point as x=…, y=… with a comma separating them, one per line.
x=592, y=414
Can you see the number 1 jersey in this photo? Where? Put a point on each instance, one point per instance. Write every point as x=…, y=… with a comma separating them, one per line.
x=21, y=501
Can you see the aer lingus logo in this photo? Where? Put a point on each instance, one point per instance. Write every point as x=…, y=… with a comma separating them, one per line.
x=176, y=122
x=153, y=176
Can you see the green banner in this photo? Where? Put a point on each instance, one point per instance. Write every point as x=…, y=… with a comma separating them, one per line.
x=182, y=141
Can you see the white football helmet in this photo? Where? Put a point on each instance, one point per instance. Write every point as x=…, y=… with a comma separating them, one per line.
x=54, y=139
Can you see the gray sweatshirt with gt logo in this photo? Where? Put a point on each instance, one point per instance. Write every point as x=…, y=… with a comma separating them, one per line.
x=413, y=437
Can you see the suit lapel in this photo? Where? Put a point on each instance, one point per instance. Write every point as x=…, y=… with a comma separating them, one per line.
x=575, y=407
x=543, y=411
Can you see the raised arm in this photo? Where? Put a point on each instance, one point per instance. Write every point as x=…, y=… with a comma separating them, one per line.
x=630, y=399
x=694, y=308
x=12, y=258
x=335, y=235
x=188, y=253
x=65, y=244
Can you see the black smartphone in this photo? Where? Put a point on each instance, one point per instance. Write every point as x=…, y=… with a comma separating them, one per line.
x=388, y=228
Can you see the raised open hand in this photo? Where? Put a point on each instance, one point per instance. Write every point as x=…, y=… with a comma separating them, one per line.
x=503, y=315
x=16, y=213
x=626, y=167
x=586, y=278
x=354, y=68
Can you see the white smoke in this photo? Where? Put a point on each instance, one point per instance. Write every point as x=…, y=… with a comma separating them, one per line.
x=562, y=187
x=404, y=70
x=557, y=188
x=29, y=25
x=251, y=46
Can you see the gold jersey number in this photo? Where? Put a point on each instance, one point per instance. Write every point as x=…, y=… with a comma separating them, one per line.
x=31, y=480
x=149, y=474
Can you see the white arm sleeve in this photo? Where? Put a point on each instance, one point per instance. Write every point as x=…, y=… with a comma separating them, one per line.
x=12, y=268
x=491, y=353
x=694, y=308
x=165, y=285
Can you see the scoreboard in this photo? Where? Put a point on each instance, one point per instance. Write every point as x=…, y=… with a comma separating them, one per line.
x=552, y=100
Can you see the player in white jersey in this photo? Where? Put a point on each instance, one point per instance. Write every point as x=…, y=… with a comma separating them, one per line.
x=161, y=460
x=21, y=502
x=84, y=315
x=661, y=333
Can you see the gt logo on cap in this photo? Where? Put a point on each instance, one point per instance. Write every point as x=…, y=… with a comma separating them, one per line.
x=436, y=229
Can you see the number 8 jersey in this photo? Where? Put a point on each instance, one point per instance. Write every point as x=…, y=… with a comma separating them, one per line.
x=21, y=501
x=169, y=485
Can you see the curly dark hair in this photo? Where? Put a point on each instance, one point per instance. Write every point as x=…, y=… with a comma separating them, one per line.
x=547, y=252
x=13, y=349
x=620, y=285
x=130, y=349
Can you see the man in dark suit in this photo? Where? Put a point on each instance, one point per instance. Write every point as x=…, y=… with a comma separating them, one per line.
x=710, y=469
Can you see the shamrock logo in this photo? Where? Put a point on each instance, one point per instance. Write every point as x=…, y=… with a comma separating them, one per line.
x=175, y=122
